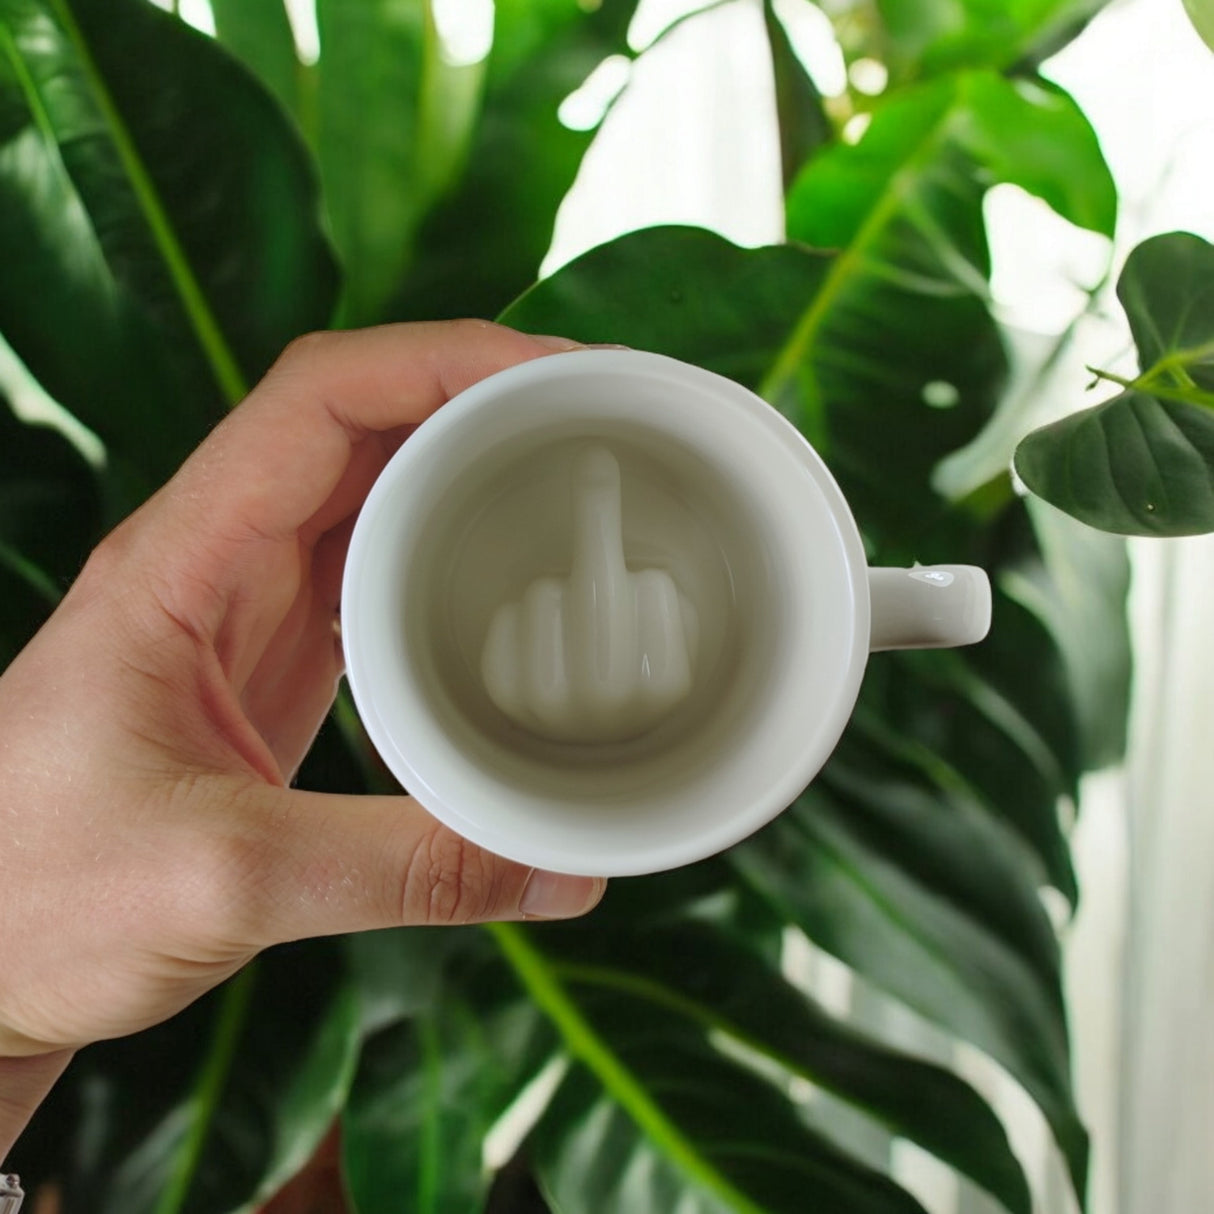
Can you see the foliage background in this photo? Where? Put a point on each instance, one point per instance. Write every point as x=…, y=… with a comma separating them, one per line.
x=917, y=859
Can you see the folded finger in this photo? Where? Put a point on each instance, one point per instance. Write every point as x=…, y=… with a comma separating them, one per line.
x=284, y=451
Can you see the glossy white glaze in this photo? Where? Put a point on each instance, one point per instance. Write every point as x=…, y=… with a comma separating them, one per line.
x=692, y=489
x=603, y=654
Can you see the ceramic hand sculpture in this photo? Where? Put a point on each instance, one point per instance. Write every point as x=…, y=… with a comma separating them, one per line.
x=604, y=654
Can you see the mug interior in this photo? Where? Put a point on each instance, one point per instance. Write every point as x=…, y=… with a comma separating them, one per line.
x=750, y=526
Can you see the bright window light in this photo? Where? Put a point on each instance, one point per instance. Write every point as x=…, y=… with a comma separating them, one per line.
x=193, y=12
x=854, y=128
x=868, y=76
x=814, y=42
x=653, y=17
x=1042, y=267
x=584, y=108
x=465, y=29
x=302, y=15
x=198, y=14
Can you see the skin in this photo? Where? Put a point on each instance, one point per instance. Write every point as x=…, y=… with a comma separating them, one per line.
x=150, y=842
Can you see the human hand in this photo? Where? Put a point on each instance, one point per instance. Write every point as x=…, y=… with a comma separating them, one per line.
x=150, y=843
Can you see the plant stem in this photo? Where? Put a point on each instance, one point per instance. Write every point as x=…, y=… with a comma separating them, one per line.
x=543, y=984
x=29, y=573
x=1146, y=384
x=208, y=1088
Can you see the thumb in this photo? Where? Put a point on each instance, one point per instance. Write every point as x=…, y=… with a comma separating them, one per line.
x=330, y=864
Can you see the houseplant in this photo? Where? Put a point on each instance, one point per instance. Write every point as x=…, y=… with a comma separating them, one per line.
x=175, y=208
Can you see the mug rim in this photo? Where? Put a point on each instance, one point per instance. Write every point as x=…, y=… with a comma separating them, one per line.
x=416, y=769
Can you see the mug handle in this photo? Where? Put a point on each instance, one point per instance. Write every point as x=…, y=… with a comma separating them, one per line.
x=928, y=607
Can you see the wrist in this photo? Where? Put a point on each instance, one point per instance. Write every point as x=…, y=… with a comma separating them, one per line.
x=24, y=1084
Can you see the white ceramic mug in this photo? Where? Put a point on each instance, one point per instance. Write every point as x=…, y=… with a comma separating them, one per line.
x=608, y=613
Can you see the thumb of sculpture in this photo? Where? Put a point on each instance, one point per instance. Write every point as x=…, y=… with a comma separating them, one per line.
x=604, y=654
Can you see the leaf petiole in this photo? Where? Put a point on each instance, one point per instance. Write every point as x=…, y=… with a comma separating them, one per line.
x=1147, y=383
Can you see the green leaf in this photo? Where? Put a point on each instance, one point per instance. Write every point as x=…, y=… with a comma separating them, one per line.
x=1031, y=133
x=941, y=702
x=653, y=1116
x=431, y=1086
x=692, y=295
x=484, y=245
x=1167, y=290
x=918, y=923
x=413, y=1130
x=1142, y=463
x=1045, y=703
x=213, y=1111
x=1081, y=590
x=258, y=33
x=157, y=227
x=899, y=315
x=907, y=801
x=399, y=974
x=802, y=120
x=901, y=319
x=943, y=35
x=1014, y=741
x=1136, y=465
x=1201, y=14
x=394, y=124
x=50, y=516
x=679, y=291
x=723, y=986
x=754, y=1157
x=457, y=1042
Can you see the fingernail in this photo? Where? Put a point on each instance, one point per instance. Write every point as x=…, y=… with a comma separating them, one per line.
x=555, y=343
x=559, y=895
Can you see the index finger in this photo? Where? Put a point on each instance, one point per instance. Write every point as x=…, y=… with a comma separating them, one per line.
x=274, y=465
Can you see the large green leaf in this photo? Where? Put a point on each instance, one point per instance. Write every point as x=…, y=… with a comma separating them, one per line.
x=941, y=702
x=944, y=35
x=977, y=124
x=415, y=1123
x=1080, y=589
x=1201, y=13
x=395, y=119
x=1167, y=290
x=486, y=241
x=891, y=884
x=432, y=1082
x=50, y=516
x=680, y=291
x=901, y=322
x=692, y=295
x=1136, y=465
x=456, y=1041
x=258, y=33
x=723, y=986
x=157, y=226
x=1045, y=703
x=653, y=1116
x=1142, y=463
x=213, y=1111
x=910, y=805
